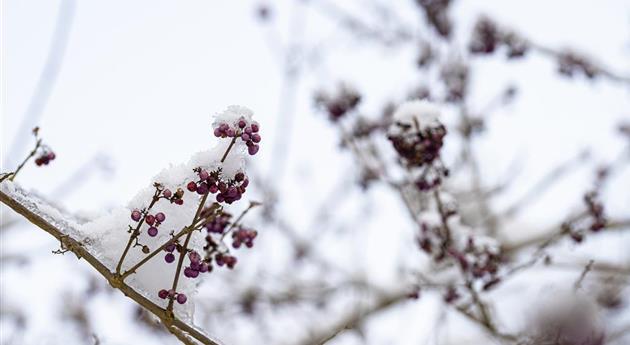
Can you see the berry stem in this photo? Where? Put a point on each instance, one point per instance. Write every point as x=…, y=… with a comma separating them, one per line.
x=136, y=232
x=182, y=254
x=12, y=175
x=228, y=149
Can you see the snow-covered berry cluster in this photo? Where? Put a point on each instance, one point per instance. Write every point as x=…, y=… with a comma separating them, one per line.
x=243, y=129
x=416, y=133
x=338, y=104
x=45, y=156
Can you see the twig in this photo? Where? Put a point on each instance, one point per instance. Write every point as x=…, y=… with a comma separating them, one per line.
x=114, y=280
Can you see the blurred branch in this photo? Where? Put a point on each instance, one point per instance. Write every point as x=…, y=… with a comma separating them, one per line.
x=47, y=77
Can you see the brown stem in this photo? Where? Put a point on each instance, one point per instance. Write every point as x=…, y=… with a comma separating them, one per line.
x=11, y=176
x=76, y=247
x=135, y=233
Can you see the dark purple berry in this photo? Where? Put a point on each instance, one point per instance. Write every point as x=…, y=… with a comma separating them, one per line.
x=167, y=193
x=256, y=137
x=192, y=186
x=150, y=219
x=163, y=294
x=160, y=217
x=253, y=149
x=135, y=215
x=181, y=298
x=255, y=127
x=242, y=123
x=153, y=231
x=169, y=258
x=170, y=247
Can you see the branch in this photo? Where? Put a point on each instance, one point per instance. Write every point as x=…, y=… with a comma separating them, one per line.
x=172, y=323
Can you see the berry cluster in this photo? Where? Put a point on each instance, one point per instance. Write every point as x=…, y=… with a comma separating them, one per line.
x=570, y=64
x=153, y=221
x=248, y=132
x=171, y=294
x=487, y=37
x=595, y=222
x=225, y=259
x=197, y=265
x=243, y=236
x=174, y=198
x=477, y=261
x=227, y=191
x=219, y=223
x=436, y=12
x=419, y=146
x=45, y=156
x=345, y=100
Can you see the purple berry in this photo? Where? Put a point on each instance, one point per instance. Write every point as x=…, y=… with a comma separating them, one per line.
x=213, y=188
x=242, y=123
x=153, y=231
x=181, y=298
x=256, y=137
x=169, y=258
x=202, y=189
x=253, y=149
x=245, y=136
x=167, y=193
x=160, y=217
x=231, y=133
x=135, y=215
x=191, y=186
x=163, y=294
x=217, y=132
x=239, y=176
x=170, y=247
x=255, y=127
x=150, y=219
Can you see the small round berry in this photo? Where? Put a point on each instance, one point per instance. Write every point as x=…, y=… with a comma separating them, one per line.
x=150, y=219
x=181, y=298
x=167, y=193
x=217, y=132
x=192, y=186
x=153, y=231
x=51, y=156
x=256, y=137
x=242, y=123
x=255, y=127
x=231, y=132
x=170, y=247
x=253, y=149
x=239, y=176
x=160, y=217
x=179, y=201
x=135, y=215
x=145, y=249
x=204, y=267
x=169, y=258
x=163, y=294
x=245, y=137
x=248, y=130
x=213, y=188
x=202, y=189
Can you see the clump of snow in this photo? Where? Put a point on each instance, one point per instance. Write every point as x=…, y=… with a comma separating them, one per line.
x=420, y=112
x=106, y=236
